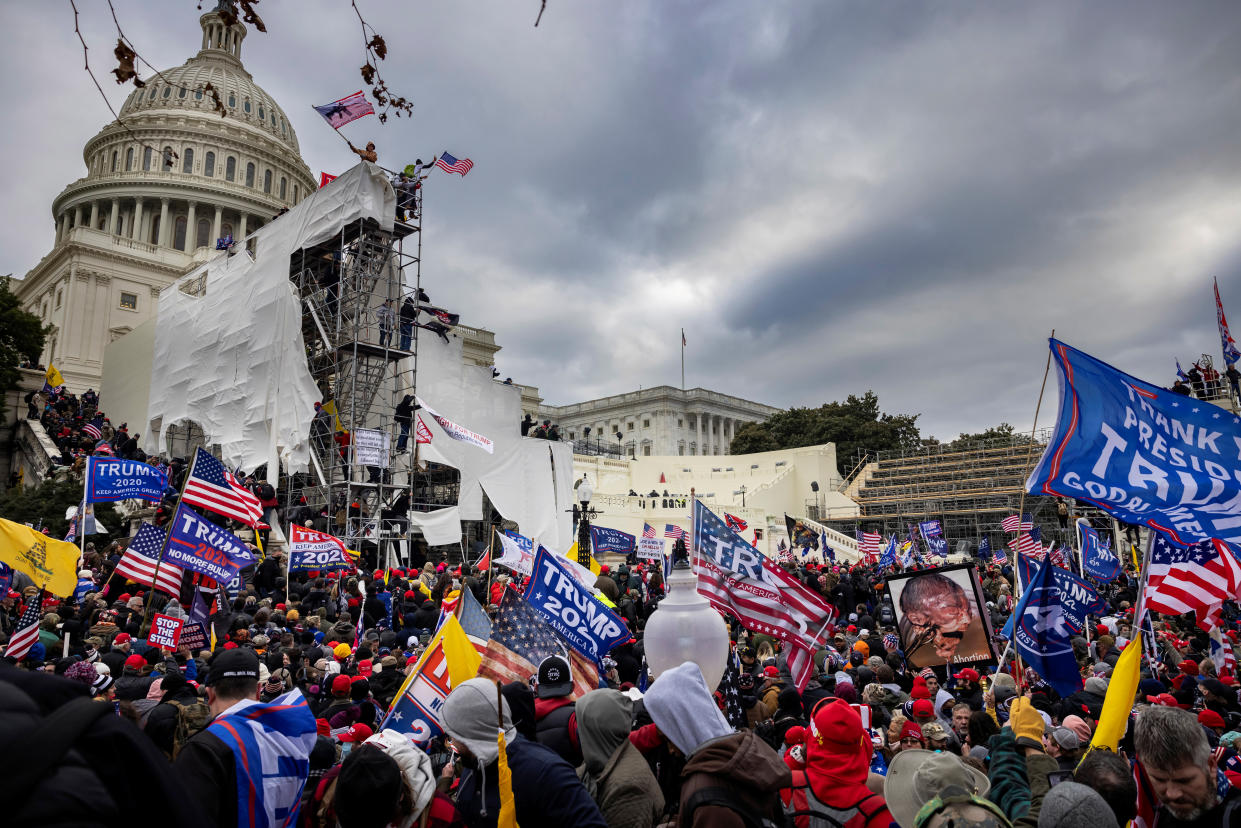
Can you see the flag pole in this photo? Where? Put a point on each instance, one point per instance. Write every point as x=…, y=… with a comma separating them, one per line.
x=682, y=359
x=146, y=615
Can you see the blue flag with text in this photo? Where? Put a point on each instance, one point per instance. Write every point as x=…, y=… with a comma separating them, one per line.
x=570, y=609
x=1041, y=634
x=1098, y=560
x=1143, y=454
x=1078, y=598
x=604, y=539
x=109, y=479
x=200, y=546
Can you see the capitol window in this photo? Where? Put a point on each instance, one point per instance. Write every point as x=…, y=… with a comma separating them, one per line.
x=152, y=95
x=181, y=93
x=59, y=295
x=187, y=160
x=646, y=423
x=232, y=100
x=209, y=164
x=284, y=188
x=113, y=160
x=146, y=159
x=129, y=301
x=246, y=106
x=178, y=233
x=167, y=92
x=198, y=94
x=250, y=174
x=203, y=236
x=296, y=192
x=230, y=169
x=267, y=182
x=261, y=113
x=129, y=159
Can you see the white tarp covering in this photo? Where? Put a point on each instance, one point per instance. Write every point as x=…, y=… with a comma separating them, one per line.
x=233, y=360
x=528, y=481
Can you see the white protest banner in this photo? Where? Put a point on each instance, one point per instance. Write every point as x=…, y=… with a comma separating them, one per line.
x=458, y=432
x=165, y=632
x=651, y=549
x=370, y=448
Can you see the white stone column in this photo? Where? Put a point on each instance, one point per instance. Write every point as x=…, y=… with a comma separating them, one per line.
x=136, y=230
x=241, y=228
x=699, y=447
x=94, y=215
x=77, y=216
x=191, y=230
x=115, y=217
x=219, y=222
x=162, y=241
x=62, y=227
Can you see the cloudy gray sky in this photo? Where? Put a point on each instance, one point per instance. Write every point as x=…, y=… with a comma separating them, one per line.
x=827, y=196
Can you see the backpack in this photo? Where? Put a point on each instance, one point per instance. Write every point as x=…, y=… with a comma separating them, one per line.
x=191, y=718
x=722, y=797
x=804, y=810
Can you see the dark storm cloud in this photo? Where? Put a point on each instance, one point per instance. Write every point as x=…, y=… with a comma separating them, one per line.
x=829, y=197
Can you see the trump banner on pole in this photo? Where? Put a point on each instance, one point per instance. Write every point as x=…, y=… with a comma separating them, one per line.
x=570, y=608
x=1145, y=455
x=200, y=546
x=109, y=479
x=459, y=432
x=311, y=550
x=604, y=539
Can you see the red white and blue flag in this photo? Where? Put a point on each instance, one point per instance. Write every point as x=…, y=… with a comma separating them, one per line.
x=339, y=113
x=1231, y=354
x=211, y=486
x=1199, y=578
x=95, y=427
x=27, y=632
x=735, y=523
x=138, y=564
x=673, y=531
x=449, y=164
x=648, y=531
x=1012, y=523
x=868, y=544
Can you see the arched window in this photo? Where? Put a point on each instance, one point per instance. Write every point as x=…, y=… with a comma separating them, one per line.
x=246, y=106
x=178, y=233
x=154, y=229
x=230, y=169
x=267, y=182
x=154, y=90
x=182, y=92
x=203, y=237
x=129, y=159
x=187, y=160
x=250, y=174
x=209, y=164
x=261, y=114
x=198, y=94
x=168, y=156
x=146, y=159
x=296, y=193
x=232, y=100
x=284, y=188
x=167, y=92
x=113, y=160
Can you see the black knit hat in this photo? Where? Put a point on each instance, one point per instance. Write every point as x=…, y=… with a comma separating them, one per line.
x=368, y=788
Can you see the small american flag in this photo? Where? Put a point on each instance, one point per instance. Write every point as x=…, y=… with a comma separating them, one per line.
x=648, y=531
x=95, y=427
x=212, y=487
x=1010, y=523
x=521, y=639
x=1030, y=543
x=27, y=631
x=139, y=562
x=673, y=531
x=1199, y=578
x=451, y=165
x=868, y=543
x=339, y=113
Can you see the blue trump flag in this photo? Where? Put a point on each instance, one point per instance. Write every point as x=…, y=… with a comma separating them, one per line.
x=109, y=478
x=1078, y=598
x=984, y=548
x=829, y=554
x=937, y=546
x=571, y=610
x=931, y=529
x=888, y=558
x=1145, y=455
x=1098, y=561
x=604, y=539
x=200, y=546
x=1041, y=634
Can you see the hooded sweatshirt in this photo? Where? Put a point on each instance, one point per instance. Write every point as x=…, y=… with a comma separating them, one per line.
x=546, y=790
x=682, y=708
x=614, y=772
x=415, y=768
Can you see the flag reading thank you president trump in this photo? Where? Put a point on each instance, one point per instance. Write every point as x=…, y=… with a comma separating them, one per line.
x=1146, y=455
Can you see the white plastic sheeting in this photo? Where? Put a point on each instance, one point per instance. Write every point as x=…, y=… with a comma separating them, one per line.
x=528, y=481
x=233, y=359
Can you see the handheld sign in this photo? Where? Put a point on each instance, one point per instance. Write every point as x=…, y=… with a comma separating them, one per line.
x=651, y=549
x=165, y=632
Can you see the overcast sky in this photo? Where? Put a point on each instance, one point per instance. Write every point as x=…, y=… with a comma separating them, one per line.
x=827, y=196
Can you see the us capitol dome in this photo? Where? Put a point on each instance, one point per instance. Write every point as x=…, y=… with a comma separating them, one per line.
x=159, y=189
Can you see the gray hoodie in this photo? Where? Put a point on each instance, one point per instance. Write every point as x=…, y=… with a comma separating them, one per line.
x=682, y=708
x=604, y=719
x=470, y=718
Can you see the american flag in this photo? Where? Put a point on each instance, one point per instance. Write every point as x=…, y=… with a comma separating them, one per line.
x=451, y=165
x=1010, y=523
x=521, y=639
x=1059, y=558
x=212, y=487
x=674, y=532
x=868, y=544
x=95, y=427
x=139, y=561
x=735, y=523
x=27, y=631
x=1199, y=578
x=1221, y=653
x=648, y=531
x=765, y=598
x=339, y=113
x=1029, y=543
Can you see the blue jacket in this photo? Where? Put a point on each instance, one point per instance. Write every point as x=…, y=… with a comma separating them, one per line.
x=546, y=790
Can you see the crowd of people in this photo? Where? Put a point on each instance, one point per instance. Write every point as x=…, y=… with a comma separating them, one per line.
x=869, y=740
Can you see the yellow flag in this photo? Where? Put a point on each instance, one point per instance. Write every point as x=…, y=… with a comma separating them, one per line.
x=1137, y=565
x=49, y=562
x=53, y=377
x=572, y=555
x=1118, y=702
x=330, y=407
x=507, y=818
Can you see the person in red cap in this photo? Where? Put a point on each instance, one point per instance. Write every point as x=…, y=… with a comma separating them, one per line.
x=1212, y=721
x=354, y=735
x=833, y=784
x=910, y=738
x=968, y=689
x=922, y=711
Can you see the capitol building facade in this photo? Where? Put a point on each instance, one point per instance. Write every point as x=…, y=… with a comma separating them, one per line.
x=162, y=184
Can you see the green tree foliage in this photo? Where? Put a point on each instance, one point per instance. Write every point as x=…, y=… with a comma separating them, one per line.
x=21, y=335
x=857, y=423
x=48, y=503
x=1003, y=434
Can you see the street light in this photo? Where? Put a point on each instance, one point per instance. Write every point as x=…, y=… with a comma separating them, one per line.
x=741, y=492
x=685, y=627
x=584, y=493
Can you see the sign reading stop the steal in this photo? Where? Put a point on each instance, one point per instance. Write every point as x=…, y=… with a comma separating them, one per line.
x=165, y=632
x=310, y=550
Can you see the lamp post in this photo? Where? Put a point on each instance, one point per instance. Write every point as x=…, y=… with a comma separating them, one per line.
x=685, y=627
x=584, y=493
x=741, y=492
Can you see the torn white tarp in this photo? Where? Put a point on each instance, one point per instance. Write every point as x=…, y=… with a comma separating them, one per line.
x=439, y=528
x=232, y=358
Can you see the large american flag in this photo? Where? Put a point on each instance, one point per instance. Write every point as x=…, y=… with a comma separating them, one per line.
x=1029, y=543
x=521, y=639
x=739, y=580
x=27, y=631
x=451, y=165
x=673, y=531
x=339, y=113
x=138, y=562
x=868, y=544
x=211, y=486
x=1199, y=578
x=1012, y=523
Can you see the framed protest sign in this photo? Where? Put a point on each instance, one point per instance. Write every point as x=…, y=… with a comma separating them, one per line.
x=165, y=632
x=370, y=448
x=941, y=617
x=651, y=549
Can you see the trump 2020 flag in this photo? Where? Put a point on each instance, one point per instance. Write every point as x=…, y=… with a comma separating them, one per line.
x=1078, y=599
x=200, y=546
x=1039, y=631
x=109, y=478
x=339, y=113
x=571, y=610
x=1143, y=454
x=1098, y=561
